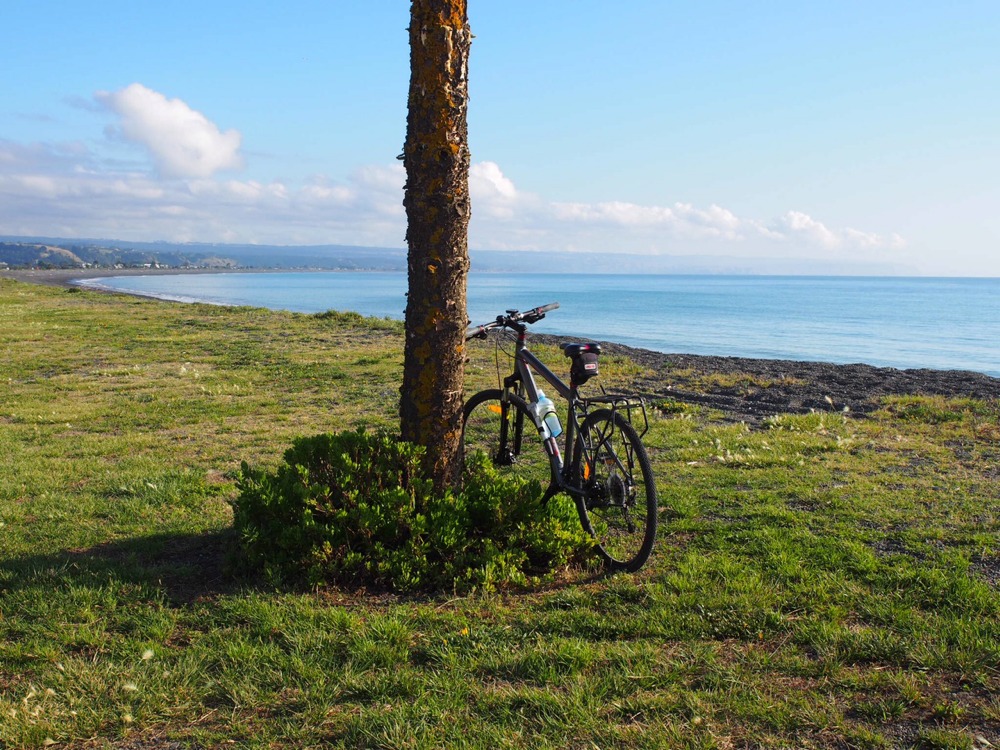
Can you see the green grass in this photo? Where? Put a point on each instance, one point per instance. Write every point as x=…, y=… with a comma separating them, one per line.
x=824, y=582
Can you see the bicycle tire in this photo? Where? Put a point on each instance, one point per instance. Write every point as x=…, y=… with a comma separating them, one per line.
x=521, y=453
x=619, y=506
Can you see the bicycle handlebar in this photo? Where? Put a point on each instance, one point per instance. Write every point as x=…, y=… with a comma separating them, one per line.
x=512, y=319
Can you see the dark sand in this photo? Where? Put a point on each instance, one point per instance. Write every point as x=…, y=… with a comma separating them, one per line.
x=769, y=387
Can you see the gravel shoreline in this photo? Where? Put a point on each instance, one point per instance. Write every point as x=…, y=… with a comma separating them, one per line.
x=743, y=389
x=750, y=390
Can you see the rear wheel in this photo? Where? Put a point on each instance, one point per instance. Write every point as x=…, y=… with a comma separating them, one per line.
x=619, y=505
x=506, y=434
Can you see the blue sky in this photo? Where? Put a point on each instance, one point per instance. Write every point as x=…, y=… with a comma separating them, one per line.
x=848, y=131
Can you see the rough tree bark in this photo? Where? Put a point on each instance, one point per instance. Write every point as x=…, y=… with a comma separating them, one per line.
x=436, y=157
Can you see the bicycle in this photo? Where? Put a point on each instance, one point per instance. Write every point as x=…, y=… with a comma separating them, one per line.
x=608, y=474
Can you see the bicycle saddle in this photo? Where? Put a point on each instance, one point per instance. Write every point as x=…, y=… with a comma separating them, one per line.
x=575, y=350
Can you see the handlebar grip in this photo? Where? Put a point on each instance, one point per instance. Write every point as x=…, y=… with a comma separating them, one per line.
x=510, y=320
x=474, y=331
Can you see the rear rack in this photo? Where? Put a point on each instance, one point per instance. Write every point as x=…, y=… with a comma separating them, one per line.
x=622, y=403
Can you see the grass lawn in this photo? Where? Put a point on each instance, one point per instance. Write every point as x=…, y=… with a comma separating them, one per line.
x=824, y=582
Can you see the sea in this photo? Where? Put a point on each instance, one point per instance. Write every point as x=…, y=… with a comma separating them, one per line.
x=937, y=323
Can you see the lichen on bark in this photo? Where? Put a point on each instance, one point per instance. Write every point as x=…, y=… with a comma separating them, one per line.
x=436, y=198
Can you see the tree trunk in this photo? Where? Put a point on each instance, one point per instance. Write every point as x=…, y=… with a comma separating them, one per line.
x=436, y=157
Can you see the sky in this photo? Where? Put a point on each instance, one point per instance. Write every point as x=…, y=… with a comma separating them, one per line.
x=854, y=132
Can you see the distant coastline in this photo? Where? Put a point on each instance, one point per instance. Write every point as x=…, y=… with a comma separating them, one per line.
x=67, y=277
x=19, y=252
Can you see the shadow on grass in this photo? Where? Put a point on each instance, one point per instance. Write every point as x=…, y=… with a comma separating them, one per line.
x=183, y=567
x=186, y=568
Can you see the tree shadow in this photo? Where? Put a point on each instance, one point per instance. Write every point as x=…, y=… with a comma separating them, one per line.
x=184, y=568
x=187, y=568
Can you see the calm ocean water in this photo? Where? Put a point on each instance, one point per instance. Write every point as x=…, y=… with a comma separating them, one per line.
x=885, y=321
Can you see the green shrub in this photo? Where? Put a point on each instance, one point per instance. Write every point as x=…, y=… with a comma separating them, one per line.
x=355, y=508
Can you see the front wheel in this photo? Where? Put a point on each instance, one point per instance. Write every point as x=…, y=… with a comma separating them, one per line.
x=506, y=434
x=618, y=506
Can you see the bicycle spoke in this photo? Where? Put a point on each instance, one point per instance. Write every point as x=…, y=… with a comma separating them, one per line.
x=619, y=507
x=507, y=437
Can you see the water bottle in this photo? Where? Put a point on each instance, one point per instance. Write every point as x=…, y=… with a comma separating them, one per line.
x=546, y=417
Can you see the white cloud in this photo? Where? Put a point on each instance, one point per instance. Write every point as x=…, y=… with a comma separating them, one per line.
x=800, y=227
x=714, y=220
x=486, y=181
x=798, y=223
x=136, y=205
x=613, y=213
x=69, y=190
x=508, y=218
x=867, y=239
x=181, y=141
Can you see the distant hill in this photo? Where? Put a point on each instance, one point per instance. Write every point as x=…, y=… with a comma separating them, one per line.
x=48, y=252
x=38, y=255
x=55, y=253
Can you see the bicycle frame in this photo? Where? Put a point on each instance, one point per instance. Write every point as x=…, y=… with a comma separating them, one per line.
x=525, y=362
